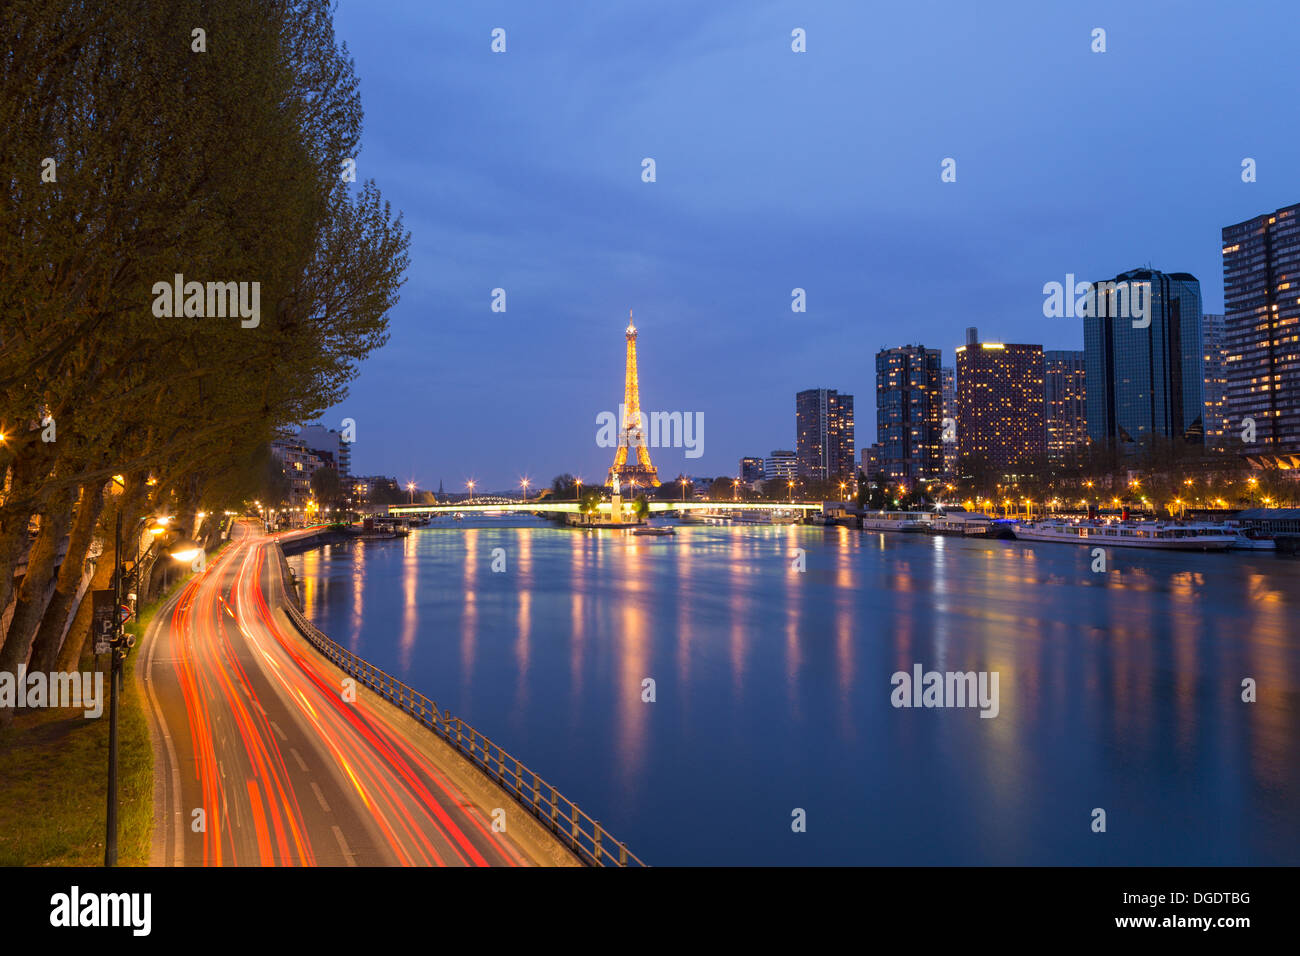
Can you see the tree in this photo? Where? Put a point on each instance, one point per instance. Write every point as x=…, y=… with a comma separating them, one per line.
x=325, y=486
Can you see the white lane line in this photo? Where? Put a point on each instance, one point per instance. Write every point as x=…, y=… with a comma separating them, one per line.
x=278, y=732
x=178, y=840
x=320, y=796
x=302, y=764
x=343, y=845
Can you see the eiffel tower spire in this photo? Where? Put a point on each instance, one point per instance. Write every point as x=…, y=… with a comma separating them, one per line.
x=631, y=434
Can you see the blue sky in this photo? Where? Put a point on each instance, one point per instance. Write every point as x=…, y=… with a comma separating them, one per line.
x=775, y=170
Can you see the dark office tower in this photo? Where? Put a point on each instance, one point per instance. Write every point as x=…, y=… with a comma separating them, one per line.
x=972, y=336
x=1142, y=345
x=824, y=430
x=1214, y=346
x=1066, y=409
x=909, y=413
x=1261, y=296
x=949, y=379
x=751, y=469
x=1000, y=405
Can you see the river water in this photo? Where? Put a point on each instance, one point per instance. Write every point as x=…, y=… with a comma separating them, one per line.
x=1118, y=691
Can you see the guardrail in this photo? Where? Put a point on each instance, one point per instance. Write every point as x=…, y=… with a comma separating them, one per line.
x=588, y=840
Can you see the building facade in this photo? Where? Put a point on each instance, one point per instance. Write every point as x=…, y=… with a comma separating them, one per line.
x=909, y=413
x=948, y=377
x=751, y=470
x=1145, y=372
x=824, y=433
x=299, y=464
x=1215, y=348
x=1000, y=398
x=1261, y=296
x=781, y=464
x=1065, y=405
x=329, y=446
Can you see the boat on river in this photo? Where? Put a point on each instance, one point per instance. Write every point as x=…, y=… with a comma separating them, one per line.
x=1159, y=535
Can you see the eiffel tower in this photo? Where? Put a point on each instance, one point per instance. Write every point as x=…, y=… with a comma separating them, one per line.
x=640, y=472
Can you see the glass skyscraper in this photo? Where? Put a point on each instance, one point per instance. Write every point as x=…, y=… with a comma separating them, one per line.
x=1145, y=372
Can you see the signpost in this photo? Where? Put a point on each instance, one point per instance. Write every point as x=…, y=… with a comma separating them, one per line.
x=103, y=624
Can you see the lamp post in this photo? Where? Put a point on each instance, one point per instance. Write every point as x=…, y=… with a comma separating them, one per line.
x=117, y=654
x=410, y=486
x=523, y=483
x=791, y=484
x=683, y=484
x=470, y=484
x=577, y=489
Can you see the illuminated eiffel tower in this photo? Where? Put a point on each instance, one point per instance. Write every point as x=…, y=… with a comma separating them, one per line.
x=640, y=472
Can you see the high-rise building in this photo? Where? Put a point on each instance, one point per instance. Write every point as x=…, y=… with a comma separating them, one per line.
x=781, y=464
x=1215, y=348
x=948, y=376
x=909, y=412
x=1000, y=404
x=751, y=470
x=824, y=433
x=1144, y=366
x=871, y=458
x=1261, y=297
x=1066, y=405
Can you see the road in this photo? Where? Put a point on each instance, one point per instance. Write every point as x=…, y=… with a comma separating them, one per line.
x=251, y=729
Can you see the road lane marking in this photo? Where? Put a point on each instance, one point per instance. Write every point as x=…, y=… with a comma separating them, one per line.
x=343, y=845
x=320, y=796
x=302, y=764
x=278, y=732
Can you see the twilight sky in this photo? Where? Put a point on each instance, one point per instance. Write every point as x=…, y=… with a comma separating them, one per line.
x=775, y=170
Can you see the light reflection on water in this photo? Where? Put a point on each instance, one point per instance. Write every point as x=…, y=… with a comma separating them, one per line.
x=1118, y=690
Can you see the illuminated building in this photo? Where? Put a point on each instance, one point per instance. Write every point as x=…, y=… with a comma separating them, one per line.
x=1066, y=408
x=751, y=470
x=949, y=380
x=824, y=433
x=909, y=413
x=1261, y=295
x=1215, y=349
x=1145, y=372
x=1000, y=401
x=631, y=434
x=781, y=464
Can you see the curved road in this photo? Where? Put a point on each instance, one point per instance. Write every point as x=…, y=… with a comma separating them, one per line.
x=255, y=733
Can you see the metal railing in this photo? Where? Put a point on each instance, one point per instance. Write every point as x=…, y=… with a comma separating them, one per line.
x=588, y=840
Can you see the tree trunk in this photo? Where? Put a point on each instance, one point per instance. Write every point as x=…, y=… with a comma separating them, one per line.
x=49, y=637
x=30, y=604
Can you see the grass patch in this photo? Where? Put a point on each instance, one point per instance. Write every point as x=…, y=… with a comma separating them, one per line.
x=54, y=776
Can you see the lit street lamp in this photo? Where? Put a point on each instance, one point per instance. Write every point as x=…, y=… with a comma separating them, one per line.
x=410, y=486
x=470, y=485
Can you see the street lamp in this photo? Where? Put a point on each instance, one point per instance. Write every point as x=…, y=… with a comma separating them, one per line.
x=577, y=489
x=183, y=550
x=791, y=484
x=410, y=486
x=523, y=483
x=683, y=484
x=470, y=485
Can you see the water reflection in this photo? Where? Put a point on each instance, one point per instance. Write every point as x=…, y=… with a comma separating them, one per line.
x=1120, y=688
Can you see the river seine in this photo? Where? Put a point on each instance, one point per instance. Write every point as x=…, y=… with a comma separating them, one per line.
x=774, y=689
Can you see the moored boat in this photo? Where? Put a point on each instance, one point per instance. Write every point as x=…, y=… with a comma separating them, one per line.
x=1159, y=535
x=906, y=521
